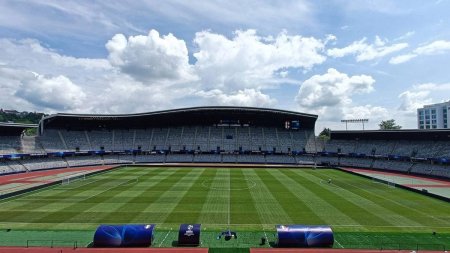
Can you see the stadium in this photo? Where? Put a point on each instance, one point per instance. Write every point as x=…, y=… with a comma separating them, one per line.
x=225, y=179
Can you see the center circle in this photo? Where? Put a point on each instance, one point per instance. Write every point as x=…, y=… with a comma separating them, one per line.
x=224, y=185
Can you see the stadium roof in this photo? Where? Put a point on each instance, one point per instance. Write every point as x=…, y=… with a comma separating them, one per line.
x=179, y=117
x=12, y=129
x=404, y=134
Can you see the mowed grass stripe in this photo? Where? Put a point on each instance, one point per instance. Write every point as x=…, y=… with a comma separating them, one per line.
x=215, y=207
x=242, y=207
x=23, y=212
x=154, y=193
x=54, y=193
x=412, y=210
x=407, y=199
x=391, y=211
x=326, y=212
x=79, y=207
x=361, y=209
x=417, y=206
x=124, y=201
x=188, y=209
x=293, y=205
x=158, y=210
x=267, y=206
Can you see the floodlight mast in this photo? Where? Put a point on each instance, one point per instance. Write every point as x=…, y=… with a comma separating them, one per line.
x=346, y=121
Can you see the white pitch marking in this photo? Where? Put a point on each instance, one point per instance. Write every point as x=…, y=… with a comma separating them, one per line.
x=165, y=238
x=340, y=245
x=126, y=182
x=229, y=197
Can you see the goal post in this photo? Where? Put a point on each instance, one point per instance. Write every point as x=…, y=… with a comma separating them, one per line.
x=73, y=178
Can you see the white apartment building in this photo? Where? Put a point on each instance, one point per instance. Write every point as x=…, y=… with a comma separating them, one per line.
x=434, y=116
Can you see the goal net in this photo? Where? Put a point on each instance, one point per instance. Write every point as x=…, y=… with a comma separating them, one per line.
x=73, y=178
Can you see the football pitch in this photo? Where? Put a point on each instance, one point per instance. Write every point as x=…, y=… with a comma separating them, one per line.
x=250, y=200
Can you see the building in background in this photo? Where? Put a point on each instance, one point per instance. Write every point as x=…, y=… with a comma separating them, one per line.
x=433, y=116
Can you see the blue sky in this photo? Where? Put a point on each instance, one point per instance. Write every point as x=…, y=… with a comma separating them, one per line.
x=338, y=59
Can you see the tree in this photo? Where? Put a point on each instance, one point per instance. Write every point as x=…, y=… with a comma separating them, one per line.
x=325, y=134
x=389, y=125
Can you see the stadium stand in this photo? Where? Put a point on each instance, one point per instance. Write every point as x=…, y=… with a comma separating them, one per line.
x=229, y=158
x=75, y=161
x=76, y=140
x=154, y=158
x=179, y=158
x=216, y=135
x=305, y=159
x=52, y=141
x=250, y=159
x=280, y=159
x=44, y=163
x=9, y=144
x=328, y=160
x=207, y=158
x=356, y=162
x=5, y=168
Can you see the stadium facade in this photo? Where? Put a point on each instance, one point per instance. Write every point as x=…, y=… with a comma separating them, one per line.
x=220, y=135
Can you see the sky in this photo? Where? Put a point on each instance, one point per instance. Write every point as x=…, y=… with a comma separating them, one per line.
x=339, y=59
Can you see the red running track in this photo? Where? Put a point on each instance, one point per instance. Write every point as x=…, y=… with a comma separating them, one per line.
x=442, y=183
x=29, y=176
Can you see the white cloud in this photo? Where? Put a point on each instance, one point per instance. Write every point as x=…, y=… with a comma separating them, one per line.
x=402, y=58
x=330, y=94
x=153, y=72
x=365, y=51
x=246, y=97
x=151, y=58
x=422, y=94
x=434, y=48
x=250, y=61
x=405, y=36
x=30, y=54
x=57, y=93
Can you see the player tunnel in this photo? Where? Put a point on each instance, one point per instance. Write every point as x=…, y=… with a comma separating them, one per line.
x=130, y=235
x=304, y=236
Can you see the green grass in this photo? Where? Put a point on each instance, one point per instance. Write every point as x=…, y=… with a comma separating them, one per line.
x=250, y=201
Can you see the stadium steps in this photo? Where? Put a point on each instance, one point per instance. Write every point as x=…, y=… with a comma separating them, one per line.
x=30, y=144
x=67, y=163
x=113, y=139
x=88, y=139
x=62, y=139
x=25, y=167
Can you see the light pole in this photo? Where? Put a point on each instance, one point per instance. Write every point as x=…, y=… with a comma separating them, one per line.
x=346, y=121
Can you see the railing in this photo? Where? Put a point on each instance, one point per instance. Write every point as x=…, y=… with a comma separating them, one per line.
x=52, y=243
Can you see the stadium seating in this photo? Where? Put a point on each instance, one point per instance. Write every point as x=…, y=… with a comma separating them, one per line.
x=9, y=144
x=207, y=158
x=51, y=141
x=75, y=161
x=179, y=158
x=44, y=163
x=254, y=145
x=305, y=159
x=150, y=158
x=356, y=162
x=75, y=140
x=12, y=166
x=250, y=159
x=229, y=158
x=280, y=159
